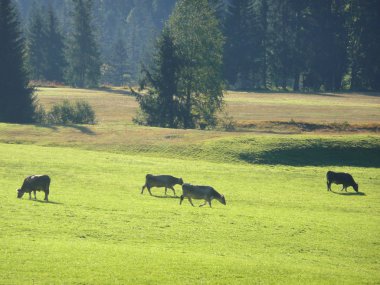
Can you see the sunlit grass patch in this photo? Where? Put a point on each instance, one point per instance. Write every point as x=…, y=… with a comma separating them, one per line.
x=280, y=225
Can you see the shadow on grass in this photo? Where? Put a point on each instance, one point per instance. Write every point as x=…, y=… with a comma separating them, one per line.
x=350, y=193
x=52, y=127
x=81, y=128
x=325, y=94
x=116, y=91
x=165, y=197
x=317, y=155
x=265, y=91
x=45, y=202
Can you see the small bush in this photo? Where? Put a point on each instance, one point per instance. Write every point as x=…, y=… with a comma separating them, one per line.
x=227, y=122
x=66, y=113
x=84, y=113
x=40, y=115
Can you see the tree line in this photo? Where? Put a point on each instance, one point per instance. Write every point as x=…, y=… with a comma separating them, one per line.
x=269, y=44
x=204, y=46
x=124, y=31
x=301, y=44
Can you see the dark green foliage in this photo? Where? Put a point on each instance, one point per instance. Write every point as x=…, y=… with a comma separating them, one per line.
x=278, y=44
x=161, y=106
x=37, y=45
x=66, y=112
x=186, y=74
x=364, y=44
x=302, y=44
x=55, y=57
x=328, y=39
x=16, y=98
x=137, y=23
x=83, y=56
x=116, y=70
x=199, y=43
x=246, y=49
x=45, y=46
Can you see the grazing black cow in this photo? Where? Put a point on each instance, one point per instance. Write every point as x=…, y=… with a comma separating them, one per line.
x=341, y=178
x=35, y=183
x=206, y=193
x=166, y=181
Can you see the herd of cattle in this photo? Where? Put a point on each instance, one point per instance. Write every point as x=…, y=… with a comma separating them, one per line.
x=207, y=193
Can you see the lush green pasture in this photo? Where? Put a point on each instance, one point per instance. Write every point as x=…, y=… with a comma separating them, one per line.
x=280, y=224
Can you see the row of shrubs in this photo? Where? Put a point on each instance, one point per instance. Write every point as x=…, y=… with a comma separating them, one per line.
x=65, y=113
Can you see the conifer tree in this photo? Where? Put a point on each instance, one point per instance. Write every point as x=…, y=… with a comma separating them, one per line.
x=161, y=106
x=141, y=35
x=37, y=44
x=83, y=56
x=116, y=71
x=55, y=58
x=16, y=98
x=364, y=44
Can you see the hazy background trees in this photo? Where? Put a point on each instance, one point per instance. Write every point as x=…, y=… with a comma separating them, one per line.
x=270, y=44
x=300, y=45
x=83, y=56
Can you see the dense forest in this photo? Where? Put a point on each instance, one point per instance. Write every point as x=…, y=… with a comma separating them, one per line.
x=269, y=44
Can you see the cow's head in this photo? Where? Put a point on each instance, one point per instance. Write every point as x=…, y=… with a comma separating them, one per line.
x=20, y=193
x=356, y=187
x=222, y=200
x=180, y=181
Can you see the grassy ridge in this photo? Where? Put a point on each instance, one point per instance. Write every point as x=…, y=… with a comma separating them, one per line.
x=280, y=224
x=297, y=150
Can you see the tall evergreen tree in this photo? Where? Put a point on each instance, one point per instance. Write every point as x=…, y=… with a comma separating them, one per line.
x=199, y=44
x=238, y=43
x=55, y=58
x=246, y=48
x=141, y=33
x=16, y=98
x=328, y=52
x=37, y=44
x=83, y=56
x=161, y=106
x=117, y=68
x=364, y=44
x=282, y=43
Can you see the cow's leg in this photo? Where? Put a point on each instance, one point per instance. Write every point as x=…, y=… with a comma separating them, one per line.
x=181, y=199
x=30, y=195
x=166, y=189
x=149, y=190
x=173, y=190
x=342, y=188
x=191, y=202
x=46, y=195
x=203, y=204
x=328, y=186
x=142, y=189
x=35, y=197
x=209, y=202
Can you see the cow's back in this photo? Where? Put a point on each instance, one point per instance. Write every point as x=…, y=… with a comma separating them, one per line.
x=196, y=191
x=36, y=182
x=160, y=180
x=340, y=178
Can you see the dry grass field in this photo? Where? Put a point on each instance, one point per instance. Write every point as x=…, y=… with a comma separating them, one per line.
x=355, y=108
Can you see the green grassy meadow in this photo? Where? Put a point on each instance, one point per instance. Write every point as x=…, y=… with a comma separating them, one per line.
x=280, y=225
